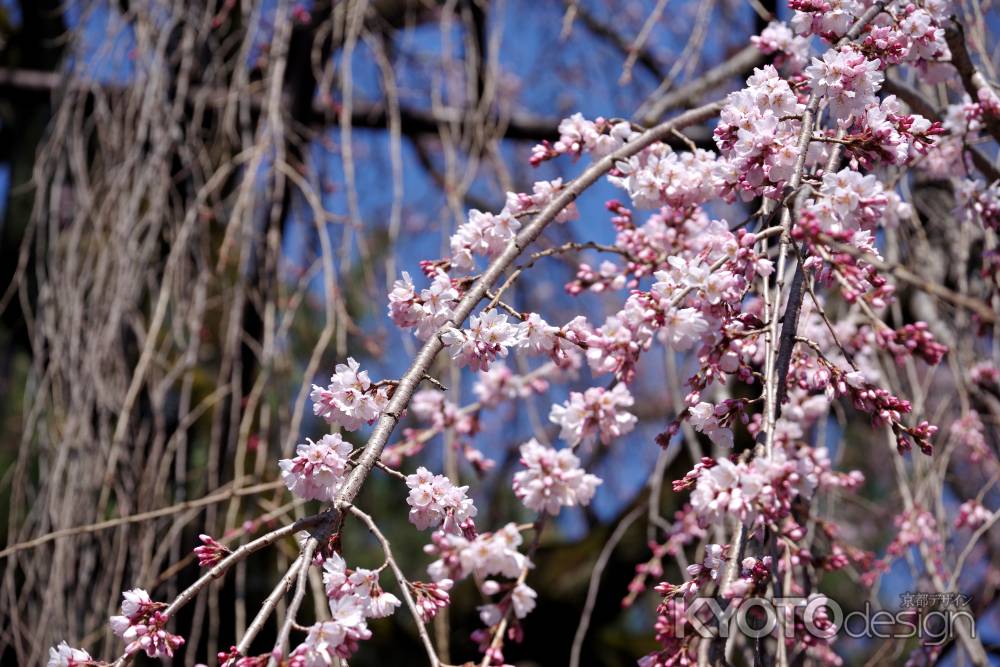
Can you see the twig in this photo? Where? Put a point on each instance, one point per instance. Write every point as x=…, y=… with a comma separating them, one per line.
x=403, y=584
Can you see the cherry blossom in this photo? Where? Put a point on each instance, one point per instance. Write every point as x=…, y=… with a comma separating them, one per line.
x=848, y=201
x=827, y=17
x=792, y=49
x=350, y=399
x=710, y=565
x=972, y=515
x=703, y=418
x=328, y=641
x=142, y=625
x=429, y=310
x=846, y=79
x=523, y=600
x=434, y=501
x=210, y=552
x=317, y=470
x=66, y=656
x=552, y=479
x=489, y=336
x=500, y=384
x=484, y=234
x=758, y=134
x=485, y=555
x=659, y=176
x=594, y=413
x=431, y=597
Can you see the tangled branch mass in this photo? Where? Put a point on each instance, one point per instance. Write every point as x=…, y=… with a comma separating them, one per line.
x=331, y=349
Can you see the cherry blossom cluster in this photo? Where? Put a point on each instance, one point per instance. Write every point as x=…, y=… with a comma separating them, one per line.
x=552, y=479
x=597, y=413
x=791, y=51
x=846, y=79
x=914, y=527
x=318, y=469
x=517, y=600
x=904, y=31
x=972, y=514
x=521, y=600
x=142, y=625
x=500, y=384
x=886, y=133
x=763, y=488
x=684, y=531
x=911, y=340
x=430, y=598
x=848, y=201
x=830, y=18
x=435, y=501
x=484, y=234
x=981, y=202
x=856, y=278
x=660, y=176
x=361, y=584
x=970, y=435
x=427, y=311
x=354, y=597
x=754, y=575
x=350, y=399
x=577, y=135
x=485, y=555
x=705, y=418
x=211, y=551
x=881, y=405
x=487, y=235
x=431, y=407
x=758, y=133
x=677, y=647
x=490, y=335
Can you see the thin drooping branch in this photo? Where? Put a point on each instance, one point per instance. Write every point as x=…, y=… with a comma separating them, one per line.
x=742, y=61
x=221, y=496
x=595, y=581
x=403, y=584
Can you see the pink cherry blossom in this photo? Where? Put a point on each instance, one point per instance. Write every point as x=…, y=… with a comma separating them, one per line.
x=552, y=479
x=318, y=469
x=66, y=656
x=594, y=413
x=435, y=501
x=488, y=337
x=350, y=399
x=846, y=79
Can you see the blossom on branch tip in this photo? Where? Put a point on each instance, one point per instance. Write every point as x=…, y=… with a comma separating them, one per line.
x=65, y=655
x=142, y=625
x=426, y=311
x=211, y=551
